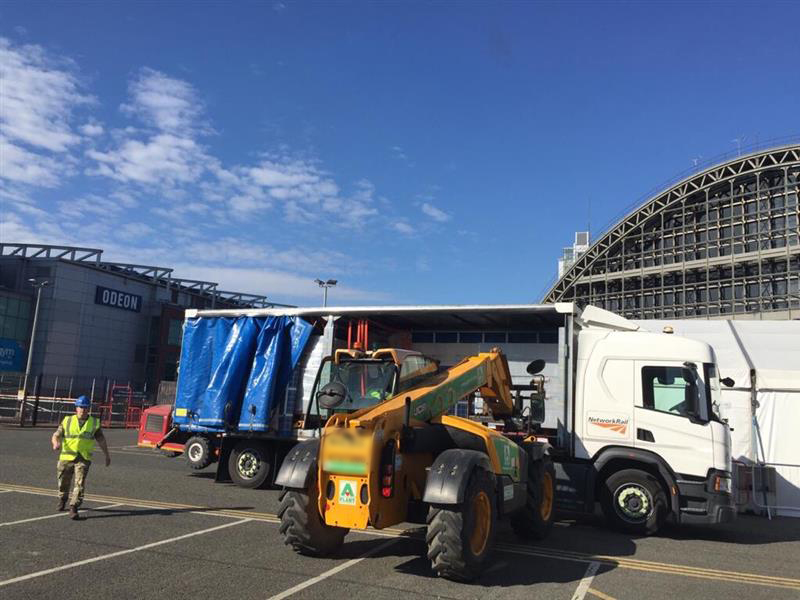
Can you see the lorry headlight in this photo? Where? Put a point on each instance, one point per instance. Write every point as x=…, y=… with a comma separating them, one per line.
x=722, y=484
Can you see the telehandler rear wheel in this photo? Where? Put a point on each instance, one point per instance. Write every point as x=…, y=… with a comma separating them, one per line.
x=535, y=520
x=302, y=526
x=460, y=537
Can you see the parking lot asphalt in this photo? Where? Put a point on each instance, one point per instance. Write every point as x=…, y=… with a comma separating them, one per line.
x=152, y=528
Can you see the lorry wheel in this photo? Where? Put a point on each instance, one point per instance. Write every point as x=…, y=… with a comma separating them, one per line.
x=302, y=526
x=249, y=464
x=198, y=452
x=459, y=537
x=535, y=520
x=633, y=501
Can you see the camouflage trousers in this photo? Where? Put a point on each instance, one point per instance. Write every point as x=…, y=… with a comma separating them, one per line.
x=66, y=469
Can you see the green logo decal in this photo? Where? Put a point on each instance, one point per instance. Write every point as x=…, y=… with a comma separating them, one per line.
x=508, y=455
x=347, y=492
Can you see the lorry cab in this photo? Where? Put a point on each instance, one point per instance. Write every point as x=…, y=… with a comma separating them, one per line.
x=651, y=401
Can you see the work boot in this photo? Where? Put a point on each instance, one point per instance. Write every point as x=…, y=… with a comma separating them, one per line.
x=73, y=512
x=62, y=504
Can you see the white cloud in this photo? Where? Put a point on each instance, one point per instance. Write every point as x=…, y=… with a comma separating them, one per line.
x=168, y=152
x=38, y=96
x=403, y=227
x=135, y=232
x=91, y=206
x=92, y=129
x=164, y=159
x=165, y=103
x=22, y=166
x=435, y=213
x=399, y=153
x=275, y=284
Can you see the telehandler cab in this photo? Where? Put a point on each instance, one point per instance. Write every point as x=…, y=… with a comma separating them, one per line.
x=389, y=453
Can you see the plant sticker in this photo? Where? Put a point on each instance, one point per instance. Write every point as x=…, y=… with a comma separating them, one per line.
x=347, y=492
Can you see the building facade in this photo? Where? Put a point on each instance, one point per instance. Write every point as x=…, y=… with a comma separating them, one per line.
x=722, y=243
x=118, y=322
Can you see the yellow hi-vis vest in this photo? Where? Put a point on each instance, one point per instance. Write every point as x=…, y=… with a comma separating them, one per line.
x=77, y=439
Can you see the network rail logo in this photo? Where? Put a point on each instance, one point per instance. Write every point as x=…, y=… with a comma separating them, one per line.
x=616, y=424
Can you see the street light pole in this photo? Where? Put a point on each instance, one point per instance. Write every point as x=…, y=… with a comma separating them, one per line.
x=325, y=285
x=24, y=390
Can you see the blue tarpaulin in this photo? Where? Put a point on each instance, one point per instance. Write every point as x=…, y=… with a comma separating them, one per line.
x=215, y=359
x=234, y=371
x=280, y=344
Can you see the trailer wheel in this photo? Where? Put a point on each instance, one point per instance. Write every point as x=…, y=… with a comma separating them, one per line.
x=460, y=537
x=249, y=464
x=633, y=501
x=302, y=526
x=535, y=520
x=198, y=452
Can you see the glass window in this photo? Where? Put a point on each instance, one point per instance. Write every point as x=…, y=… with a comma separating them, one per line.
x=548, y=337
x=22, y=329
x=368, y=382
x=8, y=327
x=446, y=337
x=670, y=390
x=470, y=337
x=175, y=332
x=421, y=337
x=522, y=337
x=12, y=307
x=494, y=337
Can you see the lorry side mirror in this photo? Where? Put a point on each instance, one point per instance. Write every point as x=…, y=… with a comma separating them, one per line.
x=728, y=382
x=332, y=395
x=535, y=366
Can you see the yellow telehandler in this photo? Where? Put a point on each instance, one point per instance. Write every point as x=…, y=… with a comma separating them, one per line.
x=389, y=453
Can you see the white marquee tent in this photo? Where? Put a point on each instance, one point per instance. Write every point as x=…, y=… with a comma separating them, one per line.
x=763, y=358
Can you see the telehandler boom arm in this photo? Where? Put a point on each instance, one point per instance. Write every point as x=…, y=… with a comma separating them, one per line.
x=487, y=372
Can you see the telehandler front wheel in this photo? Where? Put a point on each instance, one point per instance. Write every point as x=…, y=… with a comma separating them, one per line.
x=535, y=520
x=460, y=537
x=302, y=526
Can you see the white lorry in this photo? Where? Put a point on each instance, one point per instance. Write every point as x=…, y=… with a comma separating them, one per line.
x=631, y=416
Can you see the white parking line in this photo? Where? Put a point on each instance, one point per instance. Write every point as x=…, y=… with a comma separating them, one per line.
x=60, y=514
x=331, y=572
x=120, y=553
x=584, y=584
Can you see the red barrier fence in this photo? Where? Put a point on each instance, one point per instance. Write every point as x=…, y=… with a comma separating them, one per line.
x=49, y=400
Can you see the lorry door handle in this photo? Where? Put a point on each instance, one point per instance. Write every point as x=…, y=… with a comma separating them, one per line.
x=645, y=435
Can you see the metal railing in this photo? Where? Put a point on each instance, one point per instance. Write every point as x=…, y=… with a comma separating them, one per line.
x=52, y=397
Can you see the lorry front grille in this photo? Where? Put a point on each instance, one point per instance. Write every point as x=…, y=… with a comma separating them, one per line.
x=154, y=424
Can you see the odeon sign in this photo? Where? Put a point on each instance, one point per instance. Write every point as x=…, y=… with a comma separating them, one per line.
x=117, y=299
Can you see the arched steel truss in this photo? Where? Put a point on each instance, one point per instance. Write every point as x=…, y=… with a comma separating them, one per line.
x=721, y=242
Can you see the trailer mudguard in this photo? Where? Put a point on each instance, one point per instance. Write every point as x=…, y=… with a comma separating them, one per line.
x=609, y=453
x=449, y=475
x=299, y=464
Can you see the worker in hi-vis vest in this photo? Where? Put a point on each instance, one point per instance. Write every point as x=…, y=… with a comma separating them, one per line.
x=79, y=433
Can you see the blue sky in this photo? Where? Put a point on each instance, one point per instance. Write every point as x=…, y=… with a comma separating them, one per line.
x=416, y=152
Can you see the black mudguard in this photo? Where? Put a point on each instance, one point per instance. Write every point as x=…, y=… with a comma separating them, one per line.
x=449, y=475
x=299, y=465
